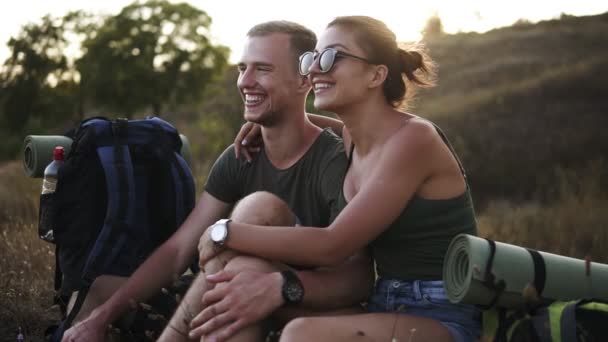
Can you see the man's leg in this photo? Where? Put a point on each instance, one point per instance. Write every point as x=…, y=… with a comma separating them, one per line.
x=261, y=208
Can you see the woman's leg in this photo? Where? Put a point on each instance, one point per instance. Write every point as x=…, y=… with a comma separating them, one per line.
x=387, y=327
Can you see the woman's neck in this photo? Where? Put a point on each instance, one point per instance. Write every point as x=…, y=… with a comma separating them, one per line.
x=369, y=124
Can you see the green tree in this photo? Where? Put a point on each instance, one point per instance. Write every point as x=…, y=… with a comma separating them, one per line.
x=35, y=66
x=151, y=55
x=433, y=27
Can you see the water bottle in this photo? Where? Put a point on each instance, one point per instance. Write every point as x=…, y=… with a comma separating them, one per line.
x=49, y=184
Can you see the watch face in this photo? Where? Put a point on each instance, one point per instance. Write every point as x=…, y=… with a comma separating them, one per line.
x=294, y=292
x=218, y=232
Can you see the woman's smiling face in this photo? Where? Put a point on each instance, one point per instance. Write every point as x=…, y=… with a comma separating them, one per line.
x=345, y=83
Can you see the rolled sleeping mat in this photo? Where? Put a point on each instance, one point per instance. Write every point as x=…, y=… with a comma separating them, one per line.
x=38, y=151
x=555, y=277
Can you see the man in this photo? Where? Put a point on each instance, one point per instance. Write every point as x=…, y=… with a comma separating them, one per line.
x=300, y=164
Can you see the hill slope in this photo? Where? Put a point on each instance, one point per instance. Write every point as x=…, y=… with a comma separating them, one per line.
x=521, y=101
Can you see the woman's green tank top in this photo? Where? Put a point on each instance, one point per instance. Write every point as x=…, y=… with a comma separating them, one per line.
x=413, y=246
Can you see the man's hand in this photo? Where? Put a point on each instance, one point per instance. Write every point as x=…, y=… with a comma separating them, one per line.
x=207, y=249
x=242, y=299
x=89, y=330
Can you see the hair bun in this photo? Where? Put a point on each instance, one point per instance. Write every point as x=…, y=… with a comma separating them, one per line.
x=410, y=61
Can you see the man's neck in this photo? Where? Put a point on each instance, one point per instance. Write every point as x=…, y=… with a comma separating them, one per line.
x=286, y=142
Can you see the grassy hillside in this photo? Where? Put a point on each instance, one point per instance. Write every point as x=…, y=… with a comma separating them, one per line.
x=525, y=107
x=520, y=101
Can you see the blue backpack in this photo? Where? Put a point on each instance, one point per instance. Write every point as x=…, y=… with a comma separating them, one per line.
x=122, y=191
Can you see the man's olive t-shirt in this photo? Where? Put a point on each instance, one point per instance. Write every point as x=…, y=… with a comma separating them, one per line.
x=310, y=187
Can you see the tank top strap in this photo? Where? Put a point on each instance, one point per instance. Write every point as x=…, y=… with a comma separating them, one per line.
x=350, y=155
x=449, y=145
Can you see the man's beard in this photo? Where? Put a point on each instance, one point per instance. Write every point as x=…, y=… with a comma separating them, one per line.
x=267, y=119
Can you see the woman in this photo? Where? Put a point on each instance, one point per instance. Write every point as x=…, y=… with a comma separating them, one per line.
x=404, y=194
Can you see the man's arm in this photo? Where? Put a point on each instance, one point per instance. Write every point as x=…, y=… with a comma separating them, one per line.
x=167, y=263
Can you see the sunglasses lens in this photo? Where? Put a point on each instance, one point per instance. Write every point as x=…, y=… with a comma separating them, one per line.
x=306, y=61
x=326, y=60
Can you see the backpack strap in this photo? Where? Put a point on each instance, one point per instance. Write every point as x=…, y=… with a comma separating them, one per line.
x=563, y=321
x=182, y=176
x=67, y=322
x=563, y=317
x=116, y=162
x=118, y=169
x=498, y=286
x=540, y=270
x=183, y=181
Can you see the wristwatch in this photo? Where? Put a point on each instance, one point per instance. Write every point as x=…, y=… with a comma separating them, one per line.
x=219, y=231
x=293, y=290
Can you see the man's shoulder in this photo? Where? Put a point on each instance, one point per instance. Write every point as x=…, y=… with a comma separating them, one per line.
x=328, y=152
x=228, y=152
x=229, y=156
x=328, y=143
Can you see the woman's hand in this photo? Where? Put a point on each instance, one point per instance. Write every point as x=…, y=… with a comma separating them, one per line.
x=207, y=249
x=248, y=140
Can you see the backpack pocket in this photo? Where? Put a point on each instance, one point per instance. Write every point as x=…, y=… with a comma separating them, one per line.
x=45, y=217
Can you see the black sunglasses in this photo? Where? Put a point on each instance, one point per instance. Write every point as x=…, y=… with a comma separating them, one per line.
x=326, y=58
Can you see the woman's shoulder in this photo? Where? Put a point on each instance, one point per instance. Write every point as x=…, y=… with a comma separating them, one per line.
x=416, y=132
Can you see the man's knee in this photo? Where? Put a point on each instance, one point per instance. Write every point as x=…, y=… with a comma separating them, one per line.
x=219, y=262
x=249, y=263
x=263, y=208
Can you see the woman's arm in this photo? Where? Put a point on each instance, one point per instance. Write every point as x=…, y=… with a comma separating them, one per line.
x=404, y=164
x=323, y=121
x=247, y=139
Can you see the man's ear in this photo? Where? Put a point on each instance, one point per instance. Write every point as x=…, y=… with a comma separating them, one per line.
x=379, y=75
x=304, y=84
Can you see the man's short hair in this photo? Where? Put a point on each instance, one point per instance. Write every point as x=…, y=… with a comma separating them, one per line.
x=302, y=38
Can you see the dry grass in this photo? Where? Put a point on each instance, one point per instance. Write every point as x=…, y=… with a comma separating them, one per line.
x=574, y=224
x=26, y=262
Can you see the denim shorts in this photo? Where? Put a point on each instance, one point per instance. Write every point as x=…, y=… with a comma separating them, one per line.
x=427, y=299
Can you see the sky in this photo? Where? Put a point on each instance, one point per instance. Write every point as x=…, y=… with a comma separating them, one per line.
x=233, y=18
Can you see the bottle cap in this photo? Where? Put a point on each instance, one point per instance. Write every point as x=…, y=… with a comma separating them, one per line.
x=58, y=153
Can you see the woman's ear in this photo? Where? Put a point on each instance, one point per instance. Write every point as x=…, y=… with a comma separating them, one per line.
x=379, y=75
x=304, y=84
